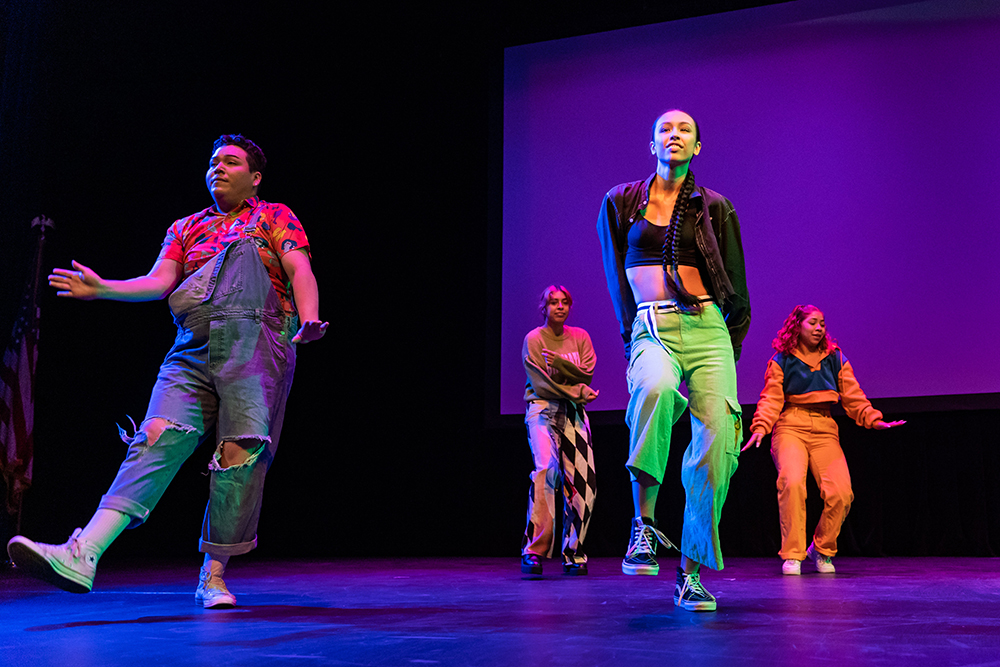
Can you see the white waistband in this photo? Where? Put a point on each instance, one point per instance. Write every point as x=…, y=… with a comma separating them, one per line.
x=669, y=303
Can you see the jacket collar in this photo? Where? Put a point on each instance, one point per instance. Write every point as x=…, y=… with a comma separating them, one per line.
x=649, y=183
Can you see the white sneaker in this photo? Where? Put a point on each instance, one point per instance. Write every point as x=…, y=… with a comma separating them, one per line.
x=212, y=592
x=824, y=564
x=791, y=566
x=69, y=566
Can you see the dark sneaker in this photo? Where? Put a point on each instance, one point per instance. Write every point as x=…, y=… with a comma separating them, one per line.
x=575, y=565
x=641, y=555
x=69, y=566
x=531, y=564
x=212, y=592
x=690, y=594
x=824, y=564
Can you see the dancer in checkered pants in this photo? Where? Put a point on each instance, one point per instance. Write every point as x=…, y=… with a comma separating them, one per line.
x=559, y=361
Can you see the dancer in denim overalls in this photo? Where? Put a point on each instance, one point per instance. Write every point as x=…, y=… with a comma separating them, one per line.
x=230, y=368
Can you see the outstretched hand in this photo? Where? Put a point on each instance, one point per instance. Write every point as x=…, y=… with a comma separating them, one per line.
x=310, y=330
x=754, y=441
x=80, y=283
x=880, y=425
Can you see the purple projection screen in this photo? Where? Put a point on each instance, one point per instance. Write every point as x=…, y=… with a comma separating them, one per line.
x=860, y=147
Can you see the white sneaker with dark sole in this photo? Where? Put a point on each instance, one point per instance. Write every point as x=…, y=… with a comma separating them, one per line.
x=69, y=566
x=212, y=592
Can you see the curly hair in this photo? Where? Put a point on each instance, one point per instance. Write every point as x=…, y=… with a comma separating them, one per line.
x=788, y=336
x=255, y=156
x=548, y=292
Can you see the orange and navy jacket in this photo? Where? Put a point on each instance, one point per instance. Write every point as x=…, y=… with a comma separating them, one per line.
x=790, y=382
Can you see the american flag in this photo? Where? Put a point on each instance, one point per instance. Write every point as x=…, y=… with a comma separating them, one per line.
x=17, y=387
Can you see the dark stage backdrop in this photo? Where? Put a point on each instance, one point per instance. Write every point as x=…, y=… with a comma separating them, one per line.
x=858, y=145
x=109, y=111
x=376, y=129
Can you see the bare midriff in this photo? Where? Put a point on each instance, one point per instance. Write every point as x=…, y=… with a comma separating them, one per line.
x=648, y=284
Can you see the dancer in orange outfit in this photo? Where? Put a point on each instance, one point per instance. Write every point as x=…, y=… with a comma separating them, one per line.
x=807, y=375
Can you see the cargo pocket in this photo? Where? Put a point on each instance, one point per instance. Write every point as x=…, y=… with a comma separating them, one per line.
x=736, y=412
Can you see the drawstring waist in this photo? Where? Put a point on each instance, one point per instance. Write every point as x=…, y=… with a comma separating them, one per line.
x=669, y=305
x=648, y=310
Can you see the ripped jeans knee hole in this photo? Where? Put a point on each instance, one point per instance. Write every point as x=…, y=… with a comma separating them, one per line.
x=223, y=459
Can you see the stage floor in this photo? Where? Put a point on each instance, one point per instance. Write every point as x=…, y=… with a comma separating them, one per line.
x=482, y=611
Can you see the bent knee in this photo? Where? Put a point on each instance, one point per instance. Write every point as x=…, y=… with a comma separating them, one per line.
x=791, y=481
x=839, y=497
x=153, y=428
x=658, y=385
x=237, y=453
x=661, y=394
x=548, y=477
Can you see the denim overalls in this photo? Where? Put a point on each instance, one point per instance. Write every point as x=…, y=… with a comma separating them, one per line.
x=230, y=367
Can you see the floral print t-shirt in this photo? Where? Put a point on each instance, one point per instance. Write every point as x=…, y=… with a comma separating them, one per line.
x=193, y=240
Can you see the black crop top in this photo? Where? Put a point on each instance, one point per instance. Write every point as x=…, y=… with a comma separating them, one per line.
x=645, y=244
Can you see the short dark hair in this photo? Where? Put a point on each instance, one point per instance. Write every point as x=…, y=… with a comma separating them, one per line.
x=255, y=156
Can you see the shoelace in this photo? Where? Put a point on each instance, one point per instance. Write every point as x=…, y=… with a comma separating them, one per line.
x=217, y=584
x=692, y=582
x=75, y=548
x=643, y=544
x=213, y=582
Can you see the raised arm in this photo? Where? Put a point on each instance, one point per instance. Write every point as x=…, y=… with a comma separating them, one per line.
x=306, y=294
x=83, y=283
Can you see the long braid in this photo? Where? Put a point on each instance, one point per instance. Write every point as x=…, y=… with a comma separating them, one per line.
x=685, y=300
